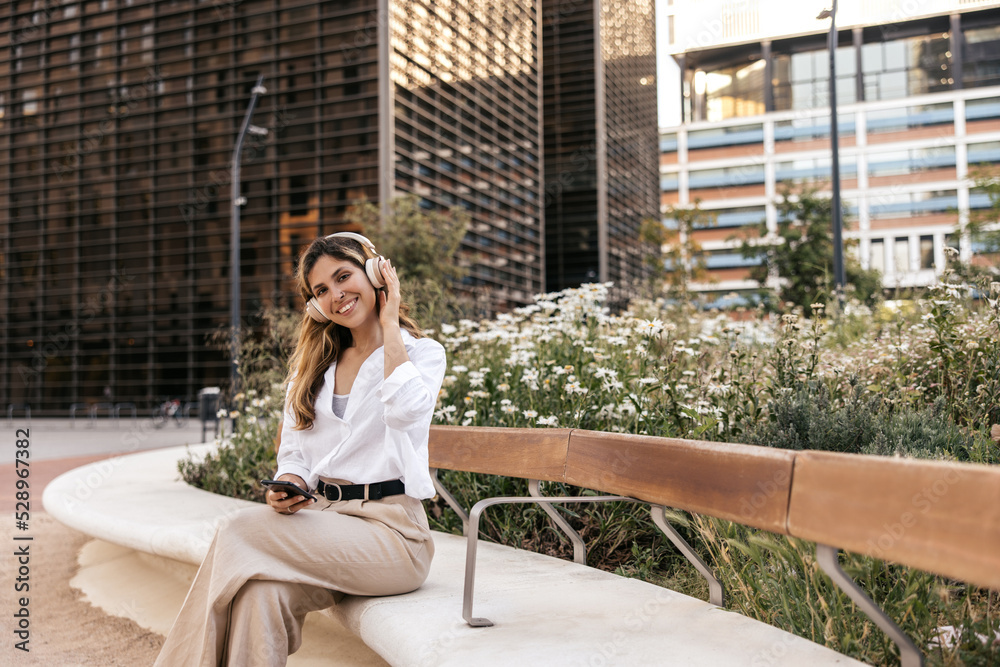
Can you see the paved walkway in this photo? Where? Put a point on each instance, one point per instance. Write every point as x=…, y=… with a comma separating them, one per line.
x=59, y=445
x=67, y=629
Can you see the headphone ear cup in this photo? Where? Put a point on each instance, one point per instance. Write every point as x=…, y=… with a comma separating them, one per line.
x=373, y=267
x=315, y=312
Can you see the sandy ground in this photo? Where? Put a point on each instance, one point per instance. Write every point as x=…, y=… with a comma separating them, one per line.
x=84, y=593
x=65, y=629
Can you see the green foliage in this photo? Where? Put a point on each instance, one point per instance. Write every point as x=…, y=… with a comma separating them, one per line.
x=864, y=423
x=986, y=180
x=676, y=259
x=238, y=464
x=966, y=352
x=780, y=382
x=613, y=535
x=424, y=246
x=802, y=254
x=777, y=580
x=921, y=381
x=653, y=236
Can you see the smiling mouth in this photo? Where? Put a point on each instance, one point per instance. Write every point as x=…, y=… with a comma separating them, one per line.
x=348, y=307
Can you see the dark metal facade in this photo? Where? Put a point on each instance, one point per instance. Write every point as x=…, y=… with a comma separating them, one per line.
x=117, y=122
x=467, y=129
x=628, y=47
x=600, y=140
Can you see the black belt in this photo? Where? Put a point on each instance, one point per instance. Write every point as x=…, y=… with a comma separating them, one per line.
x=377, y=491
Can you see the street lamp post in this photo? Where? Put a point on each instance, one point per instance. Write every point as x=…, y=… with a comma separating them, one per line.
x=839, y=278
x=238, y=200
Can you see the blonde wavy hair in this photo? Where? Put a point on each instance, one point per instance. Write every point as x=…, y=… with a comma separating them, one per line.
x=320, y=344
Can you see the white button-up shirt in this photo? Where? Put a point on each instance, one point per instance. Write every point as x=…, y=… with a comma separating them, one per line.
x=383, y=434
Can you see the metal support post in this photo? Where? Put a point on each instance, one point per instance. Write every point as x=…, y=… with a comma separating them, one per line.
x=716, y=592
x=839, y=278
x=238, y=200
x=579, y=546
x=828, y=559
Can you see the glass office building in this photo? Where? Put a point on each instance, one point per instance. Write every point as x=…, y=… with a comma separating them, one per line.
x=918, y=101
x=117, y=124
x=600, y=139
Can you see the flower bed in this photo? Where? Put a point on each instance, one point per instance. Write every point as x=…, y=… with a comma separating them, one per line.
x=920, y=380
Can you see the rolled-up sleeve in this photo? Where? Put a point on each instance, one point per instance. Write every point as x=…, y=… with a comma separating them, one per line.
x=410, y=392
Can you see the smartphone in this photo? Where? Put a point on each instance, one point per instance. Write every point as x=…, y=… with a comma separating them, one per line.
x=287, y=487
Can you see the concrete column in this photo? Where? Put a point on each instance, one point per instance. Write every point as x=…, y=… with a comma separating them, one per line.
x=684, y=173
x=770, y=176
x=859, y=79
x=686, y=110
x=768, y=75
x=957, y=46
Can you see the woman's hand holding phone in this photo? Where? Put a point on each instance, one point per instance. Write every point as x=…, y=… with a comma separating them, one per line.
x=282, y=501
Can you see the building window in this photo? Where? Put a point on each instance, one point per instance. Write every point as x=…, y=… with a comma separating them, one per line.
x=801, y=80
x=901, y=255
x=982, y=57
x=729, y=92
x=926, y=252
x=668, y=182
x=668, y=143
x=814, y=170
x=982, y=113
x=727, y=177
x=738, y=217
x=908, y=118
x=913, y=204
x=904, y=67
x=726, y=136
x=729, y=259
x=917, y=160
x=811, y=129
x=979, y=199
x=876, y=256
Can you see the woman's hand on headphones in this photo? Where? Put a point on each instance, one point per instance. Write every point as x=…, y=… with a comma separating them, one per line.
x=389, y=297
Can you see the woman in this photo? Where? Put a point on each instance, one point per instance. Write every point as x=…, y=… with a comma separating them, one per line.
x=360, y=395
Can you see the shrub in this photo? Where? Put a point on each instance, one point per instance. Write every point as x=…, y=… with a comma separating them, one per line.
x=865, y=423
x=238, y=463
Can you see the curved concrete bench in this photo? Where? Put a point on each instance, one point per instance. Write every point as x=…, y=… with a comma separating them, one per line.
x=546, y=609
x=139, y=502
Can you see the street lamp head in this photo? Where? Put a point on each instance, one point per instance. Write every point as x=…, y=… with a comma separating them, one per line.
x=825, y=14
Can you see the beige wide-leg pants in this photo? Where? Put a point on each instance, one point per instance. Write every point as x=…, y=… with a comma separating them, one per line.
x=264, y=571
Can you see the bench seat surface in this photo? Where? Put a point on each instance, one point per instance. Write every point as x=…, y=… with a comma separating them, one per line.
x=544, y=608
x=558, y=612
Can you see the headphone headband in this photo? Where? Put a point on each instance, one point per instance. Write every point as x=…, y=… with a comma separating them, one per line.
x=356, y=237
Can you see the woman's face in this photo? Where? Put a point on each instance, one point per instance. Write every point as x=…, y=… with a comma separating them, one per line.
x=343, y=291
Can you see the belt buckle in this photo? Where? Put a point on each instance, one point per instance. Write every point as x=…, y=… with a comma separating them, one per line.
x=340, y=492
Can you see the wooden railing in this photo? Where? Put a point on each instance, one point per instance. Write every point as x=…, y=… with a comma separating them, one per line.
x=938, y=516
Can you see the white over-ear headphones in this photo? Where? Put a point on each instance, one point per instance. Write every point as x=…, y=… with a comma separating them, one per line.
x=373, y=269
